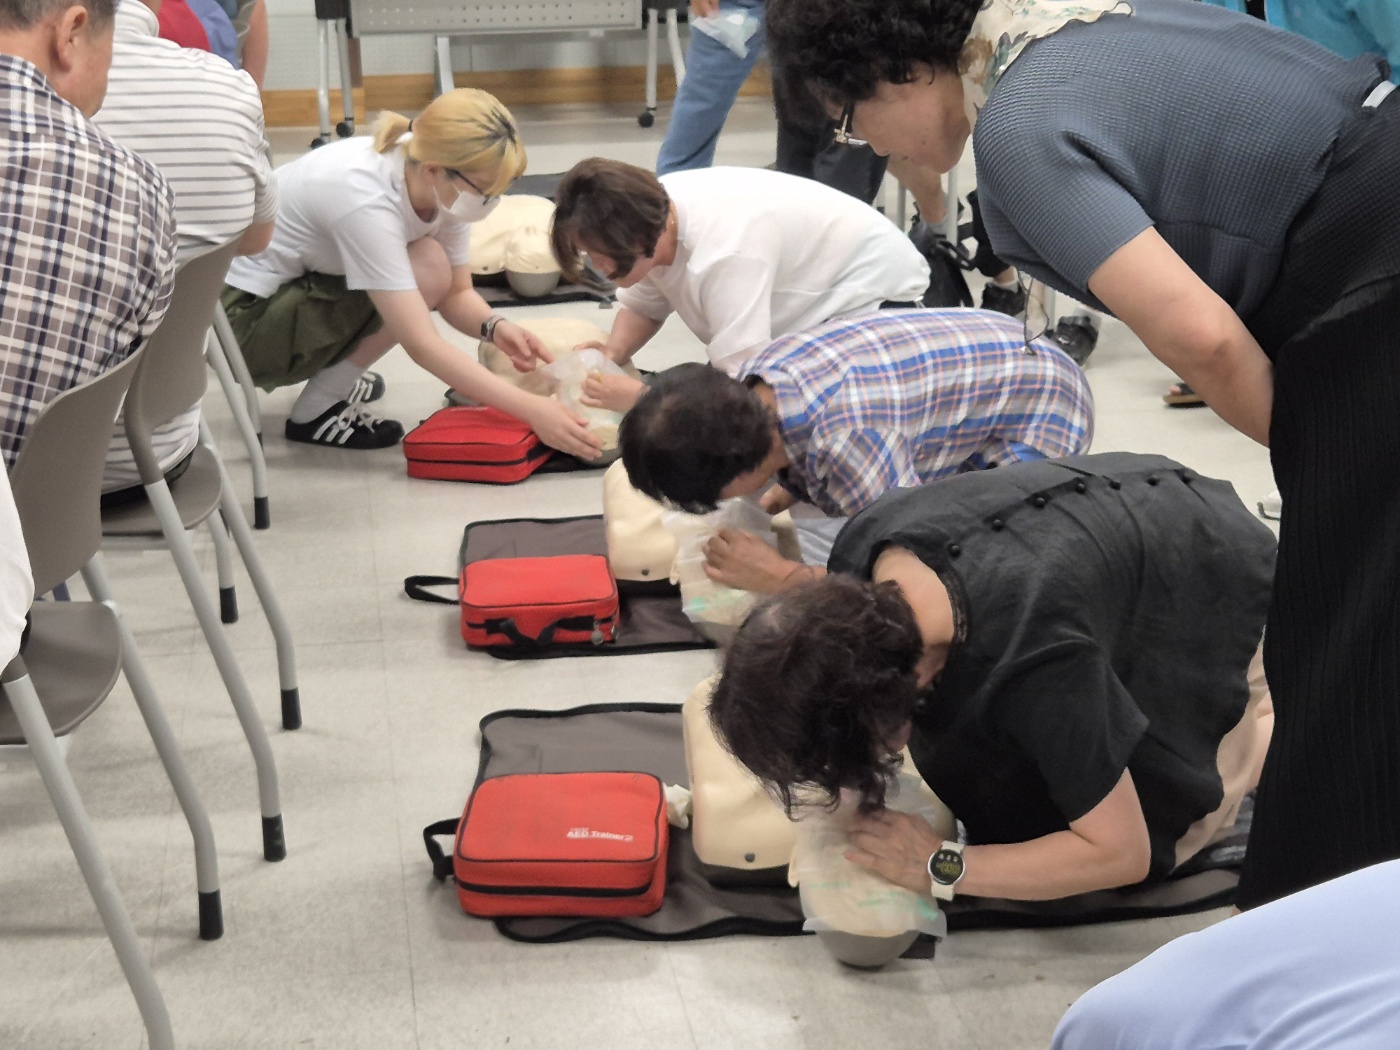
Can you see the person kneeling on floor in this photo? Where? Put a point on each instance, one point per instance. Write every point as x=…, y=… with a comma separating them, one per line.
x=841, y=414
x=1068, y=647
x=372, y=237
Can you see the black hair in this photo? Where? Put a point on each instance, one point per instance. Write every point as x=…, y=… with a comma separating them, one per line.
x=815, y=682
x=616, y=209
x=691, y=433
x=831, y=53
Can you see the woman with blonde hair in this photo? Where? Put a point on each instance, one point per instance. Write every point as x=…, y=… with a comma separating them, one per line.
x=373, y=235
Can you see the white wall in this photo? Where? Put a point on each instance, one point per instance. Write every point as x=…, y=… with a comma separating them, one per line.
x=293, y=59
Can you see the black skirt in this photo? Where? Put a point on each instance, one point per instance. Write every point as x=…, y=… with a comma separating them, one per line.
x=1329, y=800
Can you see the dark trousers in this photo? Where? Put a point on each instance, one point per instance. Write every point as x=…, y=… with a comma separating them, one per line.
x=1329, y=799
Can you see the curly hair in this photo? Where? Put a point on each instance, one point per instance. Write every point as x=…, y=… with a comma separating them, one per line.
x=606, y=206
x=830, y=53
x=690, y=434
x=816, y=680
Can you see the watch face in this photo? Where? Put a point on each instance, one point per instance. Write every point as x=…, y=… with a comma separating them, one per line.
x=946, y=866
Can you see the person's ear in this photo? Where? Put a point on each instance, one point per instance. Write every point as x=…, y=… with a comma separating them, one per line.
x=71, y=30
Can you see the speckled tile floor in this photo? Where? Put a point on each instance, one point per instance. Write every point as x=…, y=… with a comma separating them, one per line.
x=349, y=943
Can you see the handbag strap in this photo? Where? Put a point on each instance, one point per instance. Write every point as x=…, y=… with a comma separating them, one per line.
x=508, y=628
x=416, y=588
x=442, y=863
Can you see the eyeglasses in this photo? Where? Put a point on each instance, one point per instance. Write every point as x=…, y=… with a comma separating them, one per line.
x=471, y=185
x=843, y=136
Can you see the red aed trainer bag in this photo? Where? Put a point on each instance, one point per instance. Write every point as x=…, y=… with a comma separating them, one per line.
x=582, y=844
x=471, y=443
x=531, y=602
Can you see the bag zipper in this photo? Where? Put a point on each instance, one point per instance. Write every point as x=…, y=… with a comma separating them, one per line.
x=551, y=891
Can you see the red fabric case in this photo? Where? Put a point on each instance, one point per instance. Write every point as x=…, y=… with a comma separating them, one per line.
x=588, y=844
x=538, y=601
x=473, y=444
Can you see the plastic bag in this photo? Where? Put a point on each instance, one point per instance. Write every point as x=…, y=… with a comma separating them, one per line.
x=733, y=29
x=704, y=601
x=840, y=896
x=567, y=374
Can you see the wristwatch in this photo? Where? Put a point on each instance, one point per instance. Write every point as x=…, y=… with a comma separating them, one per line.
x=488, y=327
x=946, y=869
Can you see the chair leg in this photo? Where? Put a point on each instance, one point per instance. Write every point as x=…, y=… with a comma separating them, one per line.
x=673, y=40
x=64, y=793
x=652, y=17
x=262, y=584
x=252, y=440
x=228, y=596
x=274, y=844
x=233, y=354
x=206, y=857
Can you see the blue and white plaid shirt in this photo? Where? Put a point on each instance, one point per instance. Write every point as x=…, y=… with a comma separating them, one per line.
x=87, y=249
x=901, y=398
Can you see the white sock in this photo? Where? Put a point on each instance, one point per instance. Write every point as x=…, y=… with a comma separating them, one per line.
x=1012, y=283
x=324, y=389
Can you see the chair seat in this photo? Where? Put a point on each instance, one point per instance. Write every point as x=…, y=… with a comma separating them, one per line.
x=196, y=492
x=74, y=656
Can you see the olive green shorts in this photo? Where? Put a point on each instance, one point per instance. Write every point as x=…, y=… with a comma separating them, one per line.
x=308, y=324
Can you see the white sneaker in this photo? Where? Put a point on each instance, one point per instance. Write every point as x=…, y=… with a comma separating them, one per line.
x=1271, y=506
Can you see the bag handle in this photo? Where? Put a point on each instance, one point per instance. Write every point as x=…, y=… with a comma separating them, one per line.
x=508, y=628
x=415, y=588
x=442, y=863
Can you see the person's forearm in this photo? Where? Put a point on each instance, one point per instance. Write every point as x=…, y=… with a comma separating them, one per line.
x=797, y=575
x=456, y=368
x=1238, y=383
x=1053, y=866
x=466, y=311
x=630, y=332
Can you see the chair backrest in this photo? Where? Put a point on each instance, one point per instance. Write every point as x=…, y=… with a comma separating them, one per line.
x=57, y=479
x=173, y=374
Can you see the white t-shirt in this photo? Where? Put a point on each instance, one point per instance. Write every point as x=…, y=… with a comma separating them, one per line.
x=761, y=254
x=343, y=209
x=200, y=122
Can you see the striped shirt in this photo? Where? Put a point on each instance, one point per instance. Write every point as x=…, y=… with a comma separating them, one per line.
x=200, y=122
x=87, y=249
x=901, y=398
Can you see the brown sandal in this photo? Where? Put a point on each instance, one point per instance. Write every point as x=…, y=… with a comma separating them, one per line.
x=1182, y=396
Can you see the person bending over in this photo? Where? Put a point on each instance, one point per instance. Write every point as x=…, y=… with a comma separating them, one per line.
x=1249, y=250
x=843, y=413
x=743, y=255
x=372, y=237
x=1069, y=649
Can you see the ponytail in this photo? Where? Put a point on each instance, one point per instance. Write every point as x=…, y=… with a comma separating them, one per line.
x=388, y=129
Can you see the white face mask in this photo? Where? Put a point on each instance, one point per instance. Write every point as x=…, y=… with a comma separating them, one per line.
x=469, y=205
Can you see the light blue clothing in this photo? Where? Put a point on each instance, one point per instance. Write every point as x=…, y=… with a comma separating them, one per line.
x=1348, y=27
x=713, y=76
x=1318, y=969
x=223, y=38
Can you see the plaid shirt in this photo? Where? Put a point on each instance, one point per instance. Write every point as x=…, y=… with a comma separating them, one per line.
x=87, y=249
x=901, y=398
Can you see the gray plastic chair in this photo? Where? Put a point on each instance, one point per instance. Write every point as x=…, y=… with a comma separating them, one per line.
x=170, y=379
x=74, y=653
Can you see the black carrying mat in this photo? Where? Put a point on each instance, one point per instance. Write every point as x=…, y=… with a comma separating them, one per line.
x=647, y=738
x=651, y=617
x=643, y=738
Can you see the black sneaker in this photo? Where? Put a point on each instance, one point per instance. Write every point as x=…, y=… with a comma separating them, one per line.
x=1011, y=301
x=369, y=387
x=1076, y=335
x=346, y=425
